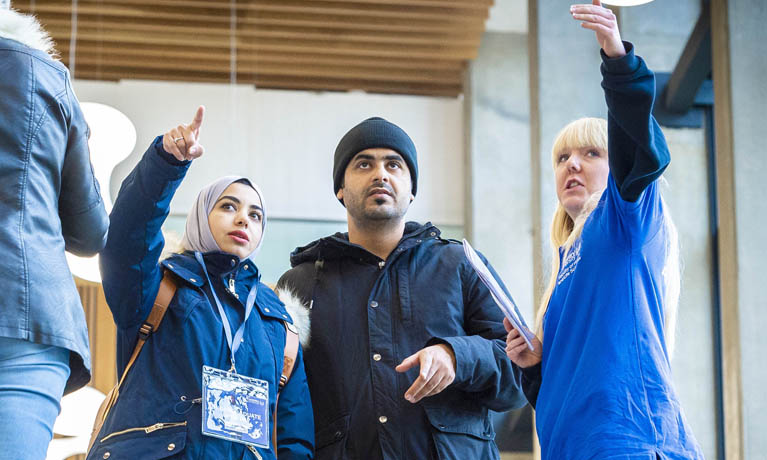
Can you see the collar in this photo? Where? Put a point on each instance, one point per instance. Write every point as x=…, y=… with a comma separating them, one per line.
x=218, y=263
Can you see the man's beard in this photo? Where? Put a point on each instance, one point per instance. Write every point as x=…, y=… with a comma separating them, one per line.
x=376, y=215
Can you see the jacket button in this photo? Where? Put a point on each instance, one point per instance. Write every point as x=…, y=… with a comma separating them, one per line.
x=170, y=265
x=383, y=419
x=374, y=304
x=338, y=435
x=441, y=426
x=245, y=267
x=433, y=234
x=232, y=262
x=376, y=357
x=418, y=241
x=266, y=309
x=106, y=455
x=192, y=280
x=171, y=446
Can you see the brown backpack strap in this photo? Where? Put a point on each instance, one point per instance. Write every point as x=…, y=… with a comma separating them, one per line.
x=288, y=362
x=151, y=324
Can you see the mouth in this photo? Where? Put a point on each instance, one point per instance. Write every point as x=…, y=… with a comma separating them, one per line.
x=239, y=237
x=572, y=183
x=380, y=192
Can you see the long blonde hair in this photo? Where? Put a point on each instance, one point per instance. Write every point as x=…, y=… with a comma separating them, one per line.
x=592, y=132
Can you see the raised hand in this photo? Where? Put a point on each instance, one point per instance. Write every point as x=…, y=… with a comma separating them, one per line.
x=183, y=141
x=602, y=21
x=437, y=371
x=516, y=348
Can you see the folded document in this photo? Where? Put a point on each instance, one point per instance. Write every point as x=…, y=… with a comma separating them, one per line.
x=506, y=304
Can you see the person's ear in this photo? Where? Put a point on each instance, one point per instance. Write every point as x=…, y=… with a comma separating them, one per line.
x=412, y=197
x=340, y=193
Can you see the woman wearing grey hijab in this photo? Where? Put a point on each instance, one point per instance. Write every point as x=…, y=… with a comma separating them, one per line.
x=206, y=382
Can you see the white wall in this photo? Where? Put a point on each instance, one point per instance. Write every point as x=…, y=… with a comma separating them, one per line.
x=285, y=140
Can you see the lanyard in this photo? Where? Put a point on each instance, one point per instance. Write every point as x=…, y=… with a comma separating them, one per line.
x=234, y=344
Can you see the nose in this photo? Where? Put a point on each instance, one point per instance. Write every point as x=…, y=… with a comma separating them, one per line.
x=241, y=218
x=380, y=172
x=573, y=163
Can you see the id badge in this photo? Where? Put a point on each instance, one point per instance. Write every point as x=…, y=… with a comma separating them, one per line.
x=235, y=407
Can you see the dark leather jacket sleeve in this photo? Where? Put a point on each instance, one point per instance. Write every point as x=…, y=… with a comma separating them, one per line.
x=84, y=221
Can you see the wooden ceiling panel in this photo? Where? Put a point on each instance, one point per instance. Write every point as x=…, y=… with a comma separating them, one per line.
x=388, y=46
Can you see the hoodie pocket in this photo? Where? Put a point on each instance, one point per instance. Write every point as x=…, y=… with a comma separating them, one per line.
x=152, y=442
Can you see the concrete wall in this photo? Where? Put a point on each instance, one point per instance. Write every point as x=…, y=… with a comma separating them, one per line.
x=749, y=99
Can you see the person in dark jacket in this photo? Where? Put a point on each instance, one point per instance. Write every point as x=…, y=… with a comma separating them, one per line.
x=49, y=202
x=221, y=317
x=407, y=352
x=601, y=381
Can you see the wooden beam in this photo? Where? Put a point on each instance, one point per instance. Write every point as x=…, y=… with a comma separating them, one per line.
x=163, y=66
x=186, y=32
x=320, y=47
x=310, y=84
x=693, y=67
x=732, y=393
x=262, y=57
x=469, y=26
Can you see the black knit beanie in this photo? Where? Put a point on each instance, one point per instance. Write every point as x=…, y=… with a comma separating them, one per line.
x=374, y=133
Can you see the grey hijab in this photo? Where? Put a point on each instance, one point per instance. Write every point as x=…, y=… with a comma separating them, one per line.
x=197, y=235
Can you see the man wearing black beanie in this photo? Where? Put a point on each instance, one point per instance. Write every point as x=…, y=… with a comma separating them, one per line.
x=407, y=344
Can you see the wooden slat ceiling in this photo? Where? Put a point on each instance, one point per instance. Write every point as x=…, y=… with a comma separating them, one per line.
x=383, y=46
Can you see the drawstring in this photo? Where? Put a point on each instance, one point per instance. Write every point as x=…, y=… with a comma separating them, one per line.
x=319, y=264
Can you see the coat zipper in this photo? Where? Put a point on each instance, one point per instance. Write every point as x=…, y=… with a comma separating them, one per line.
x=231, y=286
x=146, y=429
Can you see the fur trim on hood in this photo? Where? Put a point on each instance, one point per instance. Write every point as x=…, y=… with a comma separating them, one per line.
x=25, y=29
x=299, y=312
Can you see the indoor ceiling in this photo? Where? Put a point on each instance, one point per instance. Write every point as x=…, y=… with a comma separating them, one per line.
x=383, y=46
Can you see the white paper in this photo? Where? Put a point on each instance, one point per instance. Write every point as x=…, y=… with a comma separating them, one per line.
x=506, y=304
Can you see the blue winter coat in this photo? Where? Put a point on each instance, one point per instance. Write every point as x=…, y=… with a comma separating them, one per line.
x=367, y=316
x=165, y=382
x=49, y=202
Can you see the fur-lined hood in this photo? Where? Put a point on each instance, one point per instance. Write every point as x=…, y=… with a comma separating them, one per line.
x=299, y=312
x=25, y=29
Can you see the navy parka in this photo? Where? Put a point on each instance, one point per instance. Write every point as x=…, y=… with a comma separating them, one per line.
x=367, y=316
x=164, y=384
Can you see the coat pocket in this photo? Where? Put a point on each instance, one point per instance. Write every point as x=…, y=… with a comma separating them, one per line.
x=460, y=435
x=152, y=442
x=328, y=439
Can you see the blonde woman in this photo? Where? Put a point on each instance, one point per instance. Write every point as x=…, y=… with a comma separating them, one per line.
x=599, y=376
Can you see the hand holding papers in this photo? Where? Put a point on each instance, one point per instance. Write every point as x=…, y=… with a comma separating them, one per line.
x=506, y=304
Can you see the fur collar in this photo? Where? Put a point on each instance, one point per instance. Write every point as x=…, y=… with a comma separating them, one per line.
x=299, y=312
x=25, y=29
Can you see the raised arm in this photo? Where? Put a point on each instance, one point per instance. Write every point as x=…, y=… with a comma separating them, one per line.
x=638, y=153
x=131, y=275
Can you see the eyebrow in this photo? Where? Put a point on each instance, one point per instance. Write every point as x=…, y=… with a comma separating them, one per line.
x=237, y=200
x=389, y=157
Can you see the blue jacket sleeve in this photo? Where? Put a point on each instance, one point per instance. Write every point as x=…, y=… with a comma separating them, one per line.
x=84, y=220
x=638, y=153
x=482, y=368
x=129, y=269
x=295, y=419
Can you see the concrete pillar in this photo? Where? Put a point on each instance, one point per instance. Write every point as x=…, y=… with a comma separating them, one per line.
x=564, y=85
x=738, y=35
x=498, y=186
